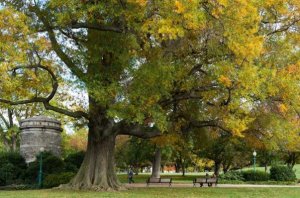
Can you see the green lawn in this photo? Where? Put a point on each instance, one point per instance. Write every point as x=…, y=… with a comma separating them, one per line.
x=161, y=192
x=178, y=178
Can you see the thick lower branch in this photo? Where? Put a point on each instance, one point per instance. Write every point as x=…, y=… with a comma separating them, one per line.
x=137, y=130
x=74, y=114
x=210, y=123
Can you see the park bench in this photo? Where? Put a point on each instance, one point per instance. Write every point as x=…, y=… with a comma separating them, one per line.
x=208, y=181
x=159, y=181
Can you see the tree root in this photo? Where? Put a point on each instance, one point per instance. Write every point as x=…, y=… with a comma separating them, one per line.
x=97, y=188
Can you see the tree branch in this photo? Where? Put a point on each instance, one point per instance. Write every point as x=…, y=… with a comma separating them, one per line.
x=228, y=100
x=124, y=128
x=46, y=100
x=284, y=27
x=210, y=123
x=74, y=114
x=188, y=95
x=56, y=46
x=4, y=120
x=99, y=27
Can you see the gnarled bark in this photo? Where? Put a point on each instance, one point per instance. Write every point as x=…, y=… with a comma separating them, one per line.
x=97, y=170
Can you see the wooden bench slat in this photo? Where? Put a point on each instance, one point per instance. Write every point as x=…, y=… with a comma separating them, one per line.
x=200, y=180
x=159, y=181
x=208, y=181
x=165, y=180
x=213, y=180
x=154, y=180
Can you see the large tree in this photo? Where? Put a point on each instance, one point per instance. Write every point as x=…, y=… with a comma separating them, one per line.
x=140, y=61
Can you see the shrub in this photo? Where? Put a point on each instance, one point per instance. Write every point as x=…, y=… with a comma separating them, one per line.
x=14, y=158
x=232, y=175
x=256, y=176
x=51, y=164
x=12, y=168
x=7, y=175
x=282, y=173
x=54, y=180
x=73, y=161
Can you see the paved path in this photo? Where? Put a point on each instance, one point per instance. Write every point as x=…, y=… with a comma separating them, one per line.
x=186, y=185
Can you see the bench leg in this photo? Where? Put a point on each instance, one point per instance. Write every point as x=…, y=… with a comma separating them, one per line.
x=201, y=184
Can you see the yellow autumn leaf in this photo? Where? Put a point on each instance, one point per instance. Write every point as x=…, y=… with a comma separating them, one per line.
x=179, y=8
x=225, y=81
x=282, y=108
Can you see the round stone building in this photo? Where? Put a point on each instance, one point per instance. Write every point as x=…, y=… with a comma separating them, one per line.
x=38, y=133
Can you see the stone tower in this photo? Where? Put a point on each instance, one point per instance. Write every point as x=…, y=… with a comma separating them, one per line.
x=40, y=132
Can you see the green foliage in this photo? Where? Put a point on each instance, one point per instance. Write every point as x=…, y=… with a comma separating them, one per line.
x=51, y=164
x=232, y=175
x=245, y=176
x=12, y=167
x=282, y=173
x=135, y=152
x=73, y=161
x=14, y=158
x=255, y=176
x=7, y=175
x=53, y=180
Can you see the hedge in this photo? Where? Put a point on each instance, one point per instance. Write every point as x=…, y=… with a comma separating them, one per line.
x=282, y=173
x=54, y=180
x=256, y=176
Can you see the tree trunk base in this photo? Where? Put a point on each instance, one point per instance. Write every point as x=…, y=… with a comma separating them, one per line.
x=97, y=188
x=97, y=171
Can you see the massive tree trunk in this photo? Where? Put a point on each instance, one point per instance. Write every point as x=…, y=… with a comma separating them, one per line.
x=156, y=164
x=97, y=171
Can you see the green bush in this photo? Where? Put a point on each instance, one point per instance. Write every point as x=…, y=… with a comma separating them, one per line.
x=7, y=174
x=232, y=175
x=73, y=161
x=54, y=180
x=256, y=176
x=51, y=164
x=12, y=168
x=282, y=173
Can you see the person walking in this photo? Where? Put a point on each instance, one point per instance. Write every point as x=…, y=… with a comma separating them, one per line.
x=130, y=176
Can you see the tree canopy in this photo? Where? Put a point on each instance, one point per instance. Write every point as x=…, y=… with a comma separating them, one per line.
x=153, y=66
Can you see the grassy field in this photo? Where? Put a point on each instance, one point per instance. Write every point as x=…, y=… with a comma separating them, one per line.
x=178, y=178
x=161, y=192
